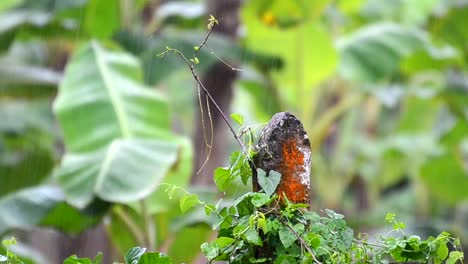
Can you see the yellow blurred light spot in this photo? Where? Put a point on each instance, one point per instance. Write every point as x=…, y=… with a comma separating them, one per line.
x=269, y=18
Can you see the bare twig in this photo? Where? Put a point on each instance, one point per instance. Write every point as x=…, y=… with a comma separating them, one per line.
x=191, y=64
x=209, y=146
x=223, y=61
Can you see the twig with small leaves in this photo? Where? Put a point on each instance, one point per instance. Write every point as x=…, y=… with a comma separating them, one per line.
x=299, y=238
x=212, y=22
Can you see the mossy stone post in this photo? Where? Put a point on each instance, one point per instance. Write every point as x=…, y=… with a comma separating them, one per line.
x=284, y=147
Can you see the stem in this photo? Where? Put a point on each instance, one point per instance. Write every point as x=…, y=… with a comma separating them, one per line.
x=132, y=226
x=205, y=90
x=303, y=243
x=150, y=232
x=126, y=10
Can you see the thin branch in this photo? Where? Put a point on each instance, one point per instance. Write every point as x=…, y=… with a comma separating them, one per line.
x=209, y=146
x=303, y=243
x=223, y=61
x=204, y=41
x=191, y=64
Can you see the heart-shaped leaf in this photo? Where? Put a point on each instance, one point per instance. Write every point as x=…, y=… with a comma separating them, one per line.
x=270, y=182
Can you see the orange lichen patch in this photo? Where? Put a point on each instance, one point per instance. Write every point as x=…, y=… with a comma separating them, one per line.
x=292, y=171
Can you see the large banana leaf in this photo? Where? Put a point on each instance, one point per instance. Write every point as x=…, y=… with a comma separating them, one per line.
x=26, y=208
x=125, y=171
x=374, y=52
x=116, y=130
x=101, y=99
x=446, y=175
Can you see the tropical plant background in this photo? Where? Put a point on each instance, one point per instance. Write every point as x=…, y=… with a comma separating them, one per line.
x=92, y=122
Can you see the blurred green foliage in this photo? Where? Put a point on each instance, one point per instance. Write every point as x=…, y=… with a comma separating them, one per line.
x=87, y=110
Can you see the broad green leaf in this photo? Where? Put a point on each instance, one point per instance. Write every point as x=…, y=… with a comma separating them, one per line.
x=12, y=20
x=6, y=4
x=32, y=22
x=244, y=205
x=350, y=6
x=442, y=252
x=251, y=235
x=418, y=115
x=185, y=250
x=224, y=241
x=313, y=240
x=285, y=259
x=24, y=72
x=19, y=116
x=454, y=257
x=27, y=158
x=24, y=169
x=287, y=237
x=76, y=260
x=53, y=5
x=26, y=208
x=449, y=27
x=179, y=175
x=270, y=182
x=375, y=51
x=188, y=201
x=70, y=220
x=221, y=177
x=260, y=199
x=185, y=9
x=210, y=250
x=125, y=171
x=215, y=249
x=18, y=73
x=446, y=177
x=128, y=149
x=240, y=167
x=133, y=255
x=410, y=13
x=431, y=58
x=299, y=228
x=154, y=258
x=102, y=18
x=333, y=215
x=102, y=94
x=238, y=118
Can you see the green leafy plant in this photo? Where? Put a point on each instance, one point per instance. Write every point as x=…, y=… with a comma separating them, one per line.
x=9, y=257
x=135, y=255
x=257, y=228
